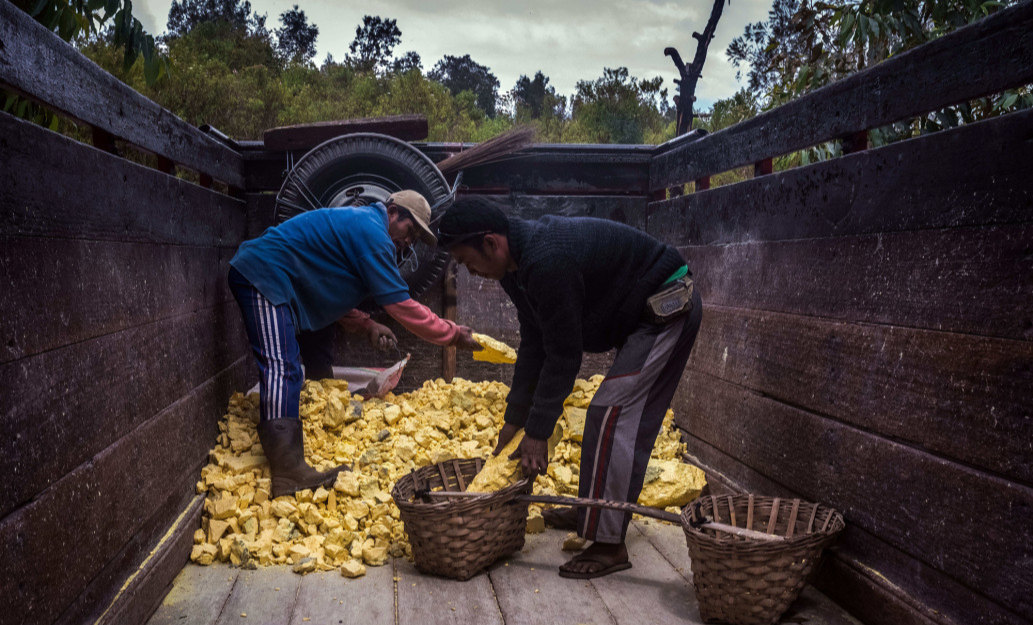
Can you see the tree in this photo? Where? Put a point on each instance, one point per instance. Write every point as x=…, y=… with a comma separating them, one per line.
x=690, y=74
x=460, y=74
x=730, y=111
x=805, y=45
x=296, y=39
x=535, y=98
x=184, y=15
x=374, y=42
x=619, y=108
x=81, y=21
x=408, y=62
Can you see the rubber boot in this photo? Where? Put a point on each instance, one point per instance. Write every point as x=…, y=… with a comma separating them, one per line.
x=281, y=440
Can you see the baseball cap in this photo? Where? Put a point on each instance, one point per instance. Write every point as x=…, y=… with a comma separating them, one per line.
x=418, y=207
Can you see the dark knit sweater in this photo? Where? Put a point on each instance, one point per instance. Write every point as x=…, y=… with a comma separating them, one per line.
x=580, y=285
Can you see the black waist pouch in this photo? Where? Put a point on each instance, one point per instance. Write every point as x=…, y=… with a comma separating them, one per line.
x=670, y=302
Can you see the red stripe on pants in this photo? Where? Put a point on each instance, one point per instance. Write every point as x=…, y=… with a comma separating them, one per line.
x=601, y=463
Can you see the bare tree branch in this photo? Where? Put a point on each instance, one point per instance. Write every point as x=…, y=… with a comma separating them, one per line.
x=690, y=74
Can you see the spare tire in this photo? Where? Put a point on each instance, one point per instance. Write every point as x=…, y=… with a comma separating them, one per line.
x=359, y=169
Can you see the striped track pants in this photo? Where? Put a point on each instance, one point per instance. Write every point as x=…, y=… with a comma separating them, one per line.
x=270, y=330
x=625, y=416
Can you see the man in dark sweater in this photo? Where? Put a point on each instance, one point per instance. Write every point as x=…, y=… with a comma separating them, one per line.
x=582, y=284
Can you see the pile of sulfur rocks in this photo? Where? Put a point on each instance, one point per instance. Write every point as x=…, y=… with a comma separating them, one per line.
x=355, y=523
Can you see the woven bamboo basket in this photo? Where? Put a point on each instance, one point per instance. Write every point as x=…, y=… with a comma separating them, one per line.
x=742, y=581
x=459, y=538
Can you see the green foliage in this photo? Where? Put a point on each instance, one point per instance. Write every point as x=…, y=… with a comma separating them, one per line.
x=730, y=111
x=296, y=39
x=82, y=20
x=461, y=73
x=535, y=99
x=374, y=42
x=619, y=108
x=808, y=44
x=226, y=73
x=184, y=15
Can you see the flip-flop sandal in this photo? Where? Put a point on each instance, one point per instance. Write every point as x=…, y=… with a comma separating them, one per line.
x=613, y=568
x=555, y=517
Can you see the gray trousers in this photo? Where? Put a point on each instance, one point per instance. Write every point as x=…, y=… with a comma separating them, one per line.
x=625, y=416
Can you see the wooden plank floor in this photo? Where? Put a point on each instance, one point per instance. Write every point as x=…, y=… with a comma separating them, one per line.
x=522, y=589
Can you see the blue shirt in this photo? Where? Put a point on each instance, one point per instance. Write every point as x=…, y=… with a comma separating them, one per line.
x=324, y=262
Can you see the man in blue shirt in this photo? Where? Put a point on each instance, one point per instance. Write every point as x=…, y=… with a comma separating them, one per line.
x=309, y=272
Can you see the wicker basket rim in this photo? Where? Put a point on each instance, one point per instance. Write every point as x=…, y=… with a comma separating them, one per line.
x=404, y=499
x=836, y=525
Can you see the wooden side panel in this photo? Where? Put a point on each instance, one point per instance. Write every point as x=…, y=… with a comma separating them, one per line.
x=996, y=54
x=969, y=280
x=934, y=182
x=867, y=342
x=906, y=496
x=77, y=87
x=53, y=401
x=83, y=289
x=51, y=189
x=56, y=544
x=876, y=582
x=879, y=378
x=120, y=347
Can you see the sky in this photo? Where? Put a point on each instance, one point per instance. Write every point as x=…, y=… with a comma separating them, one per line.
x=567, y=40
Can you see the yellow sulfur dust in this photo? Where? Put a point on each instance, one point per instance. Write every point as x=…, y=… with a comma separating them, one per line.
x=354, y=523
x=494, y=351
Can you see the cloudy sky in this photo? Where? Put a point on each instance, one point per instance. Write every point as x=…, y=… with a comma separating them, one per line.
x=568, y=40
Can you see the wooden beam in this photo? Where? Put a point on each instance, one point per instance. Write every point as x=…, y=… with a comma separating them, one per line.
x=540, y=169
x=45, y=198
x=996, y=54
x=136, y=598
x=901, y=279
x=74, y=86
x=126, y=285
x=303, y=137
x=944, y=180
x=959, y=396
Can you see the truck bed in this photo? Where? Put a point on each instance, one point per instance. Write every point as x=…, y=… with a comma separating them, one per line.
x=521, y=589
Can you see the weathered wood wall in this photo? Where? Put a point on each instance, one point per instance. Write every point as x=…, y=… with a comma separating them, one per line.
x=120, y=343
x=867, y=339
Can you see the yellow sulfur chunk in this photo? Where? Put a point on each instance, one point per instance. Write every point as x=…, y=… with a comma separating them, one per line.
x=499, y=471
x=573, y=542
x=347, y=483
x=575, y=418
x=355, y=522
x=216, y=529
x=494, y=350
x=374, y=556
x=203, y=554
x=353, y=568
x=305, y=565
x=676, y=484
x=224, y=507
